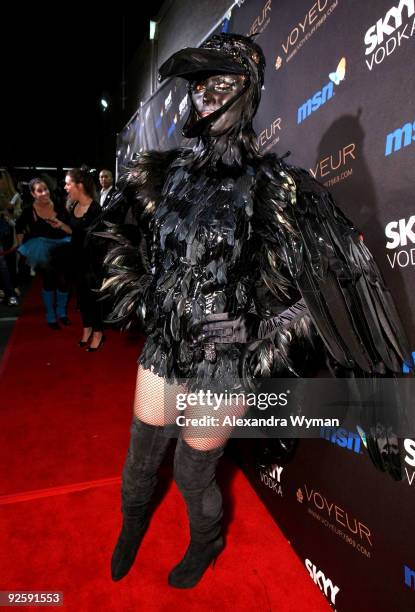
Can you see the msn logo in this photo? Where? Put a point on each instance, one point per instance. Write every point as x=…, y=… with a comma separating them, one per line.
x=341, y=437
x=314, y=103
x=401, y=137
x=406, y=368
x=409, y=577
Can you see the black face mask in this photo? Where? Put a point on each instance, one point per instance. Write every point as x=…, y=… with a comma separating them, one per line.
x=226, y=56
x=214, y=93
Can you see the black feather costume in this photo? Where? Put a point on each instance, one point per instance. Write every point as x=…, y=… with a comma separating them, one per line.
x=225, y=229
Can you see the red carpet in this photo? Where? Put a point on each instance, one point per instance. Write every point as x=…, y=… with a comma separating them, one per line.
x=64, y=422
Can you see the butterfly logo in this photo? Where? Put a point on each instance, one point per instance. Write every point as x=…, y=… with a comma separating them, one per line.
x=362, y=435
x=340, y=73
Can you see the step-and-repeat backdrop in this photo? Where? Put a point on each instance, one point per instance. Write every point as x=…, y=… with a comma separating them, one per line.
x=339, y=95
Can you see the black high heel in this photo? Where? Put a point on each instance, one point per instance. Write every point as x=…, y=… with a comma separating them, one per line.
x=194, y=564
x=83, y=343
x=90, y=349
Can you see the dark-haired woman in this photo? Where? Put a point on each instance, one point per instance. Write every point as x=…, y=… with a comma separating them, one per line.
x=83, y=212
x=44, y=244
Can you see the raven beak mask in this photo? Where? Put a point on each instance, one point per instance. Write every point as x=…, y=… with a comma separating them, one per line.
x=222, y=54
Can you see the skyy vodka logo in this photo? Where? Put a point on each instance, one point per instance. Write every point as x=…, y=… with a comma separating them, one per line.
x=389, y=32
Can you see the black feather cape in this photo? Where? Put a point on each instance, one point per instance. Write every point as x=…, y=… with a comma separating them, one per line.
x=246, y=239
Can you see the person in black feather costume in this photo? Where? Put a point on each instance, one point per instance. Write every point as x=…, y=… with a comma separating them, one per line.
x=241, y=257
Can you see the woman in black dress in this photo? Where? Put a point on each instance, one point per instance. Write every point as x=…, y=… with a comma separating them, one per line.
x=87, y=267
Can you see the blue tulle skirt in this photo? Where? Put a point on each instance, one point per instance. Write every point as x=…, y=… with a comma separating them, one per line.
x=38, y=250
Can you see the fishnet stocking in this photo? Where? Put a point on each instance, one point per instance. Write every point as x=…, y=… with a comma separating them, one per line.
x=155, y=403
x=154, y=398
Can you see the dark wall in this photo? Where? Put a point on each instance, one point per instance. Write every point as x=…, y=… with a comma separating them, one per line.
x=182, y=23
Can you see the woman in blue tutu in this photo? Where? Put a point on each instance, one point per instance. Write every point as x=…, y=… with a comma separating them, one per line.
x=45, y=248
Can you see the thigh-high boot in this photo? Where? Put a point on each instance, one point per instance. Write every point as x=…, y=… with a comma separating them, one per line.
x=194, y=472
x=148, y=445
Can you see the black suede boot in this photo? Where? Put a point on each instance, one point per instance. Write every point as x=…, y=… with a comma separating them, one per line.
x=194, y=473
x=148, y=445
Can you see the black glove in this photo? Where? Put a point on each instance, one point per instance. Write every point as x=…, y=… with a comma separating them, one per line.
x=225, y=329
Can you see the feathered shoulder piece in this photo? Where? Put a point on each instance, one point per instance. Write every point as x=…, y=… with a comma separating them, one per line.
x=142, y=181
x=129, y=275
x=326, y=258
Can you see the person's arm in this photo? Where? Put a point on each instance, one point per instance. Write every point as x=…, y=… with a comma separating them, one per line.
x=303, y=231
x=22, y=224
x=15, y=206
x=58, y=224
x=351, y=309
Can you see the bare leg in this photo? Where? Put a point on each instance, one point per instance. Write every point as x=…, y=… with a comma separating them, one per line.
x=86, y=333
x=96, y=339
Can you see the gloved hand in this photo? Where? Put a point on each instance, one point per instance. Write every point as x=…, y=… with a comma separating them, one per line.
x=223, y=328
x=226, y=329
